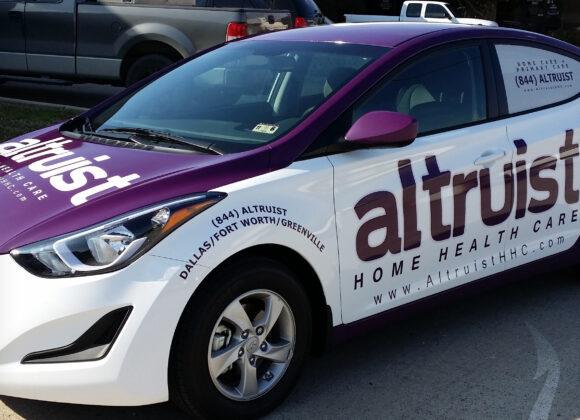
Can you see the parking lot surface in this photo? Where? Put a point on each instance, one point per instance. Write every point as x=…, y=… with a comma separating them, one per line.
x=84, y=95
x=510, y=352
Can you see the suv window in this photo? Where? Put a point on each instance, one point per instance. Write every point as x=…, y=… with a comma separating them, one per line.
x=304, y=8
x=443, y=89
x=414, y=10
x=435, y=11
x=534, y=77
x=281, y=5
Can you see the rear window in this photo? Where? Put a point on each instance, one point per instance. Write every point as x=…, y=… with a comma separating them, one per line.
x=435, y=11
x=535, y=77
x=244, y=94
x=303, y=8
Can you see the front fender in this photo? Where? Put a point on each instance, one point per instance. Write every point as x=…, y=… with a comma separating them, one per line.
x=291, y=207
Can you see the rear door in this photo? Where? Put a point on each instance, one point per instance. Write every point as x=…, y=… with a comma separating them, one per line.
x=51, y=36
x=542, y=87
x=419, y=219
x=12, y=45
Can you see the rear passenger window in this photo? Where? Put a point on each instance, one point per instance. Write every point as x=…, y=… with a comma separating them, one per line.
x=414, y=10
x=534, y=77
x=442, y=90
x=435, y=11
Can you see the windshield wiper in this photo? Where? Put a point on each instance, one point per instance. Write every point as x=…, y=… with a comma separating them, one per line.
x=161, y=137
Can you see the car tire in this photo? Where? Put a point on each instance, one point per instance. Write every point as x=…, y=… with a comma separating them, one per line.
x=146, y=66
x=212, y=328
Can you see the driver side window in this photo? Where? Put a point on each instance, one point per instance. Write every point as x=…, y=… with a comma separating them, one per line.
x=442, y=90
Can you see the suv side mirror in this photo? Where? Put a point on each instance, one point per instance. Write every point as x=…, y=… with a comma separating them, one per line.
x=382, y=128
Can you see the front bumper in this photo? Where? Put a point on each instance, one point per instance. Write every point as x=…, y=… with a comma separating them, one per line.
x=38, y=314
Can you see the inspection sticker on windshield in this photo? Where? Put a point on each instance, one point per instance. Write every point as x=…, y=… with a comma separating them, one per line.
x=266, y=128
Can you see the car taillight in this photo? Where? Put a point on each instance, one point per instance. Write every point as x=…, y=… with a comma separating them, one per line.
x=236, y=30
x=300, y=22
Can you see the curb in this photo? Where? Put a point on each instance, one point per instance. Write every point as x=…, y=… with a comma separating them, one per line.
x=43, y=104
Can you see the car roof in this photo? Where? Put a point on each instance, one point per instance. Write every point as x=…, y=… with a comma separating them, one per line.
x=382, y=34
x=392, y=34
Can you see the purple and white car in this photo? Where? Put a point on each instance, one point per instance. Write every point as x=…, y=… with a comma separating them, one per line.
x=196, y=237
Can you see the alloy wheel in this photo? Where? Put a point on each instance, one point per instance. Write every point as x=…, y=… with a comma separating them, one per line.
x=251, y=345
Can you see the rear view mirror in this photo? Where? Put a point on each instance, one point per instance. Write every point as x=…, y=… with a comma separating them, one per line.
x=382, y=128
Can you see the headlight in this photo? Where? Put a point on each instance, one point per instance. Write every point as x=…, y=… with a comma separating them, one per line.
x=113, y=244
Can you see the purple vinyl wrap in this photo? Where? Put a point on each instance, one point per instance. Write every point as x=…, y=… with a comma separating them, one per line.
x=164, y=176
x=382, y=127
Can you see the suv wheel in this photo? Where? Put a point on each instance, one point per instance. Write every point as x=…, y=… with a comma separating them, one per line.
x=241, y=342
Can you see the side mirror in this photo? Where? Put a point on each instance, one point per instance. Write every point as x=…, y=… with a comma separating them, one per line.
x=382, y=128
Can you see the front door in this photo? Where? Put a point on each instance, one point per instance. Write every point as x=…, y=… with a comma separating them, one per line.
x=12, y=44
x=419, y=219
x=50, y=36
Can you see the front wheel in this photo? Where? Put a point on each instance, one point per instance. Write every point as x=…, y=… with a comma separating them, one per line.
x=241, y=342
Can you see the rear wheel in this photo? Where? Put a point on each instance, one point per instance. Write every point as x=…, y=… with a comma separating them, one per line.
x=145, y=66
x=241, y=342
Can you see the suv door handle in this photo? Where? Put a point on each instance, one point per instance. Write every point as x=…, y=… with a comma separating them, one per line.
x=489, y=157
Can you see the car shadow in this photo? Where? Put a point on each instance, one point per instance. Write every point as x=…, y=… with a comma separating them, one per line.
x=37, y=410
x=435, y=363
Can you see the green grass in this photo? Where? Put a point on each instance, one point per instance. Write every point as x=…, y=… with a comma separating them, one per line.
x=20, y=119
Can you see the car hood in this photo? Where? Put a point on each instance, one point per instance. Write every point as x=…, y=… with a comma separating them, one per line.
x=51, y=185
x=468, y=21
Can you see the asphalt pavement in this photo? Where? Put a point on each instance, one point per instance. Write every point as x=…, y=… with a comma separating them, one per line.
x=508, y=353
x=85, y=95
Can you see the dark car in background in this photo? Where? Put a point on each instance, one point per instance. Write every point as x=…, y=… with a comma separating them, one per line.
x=123, y=41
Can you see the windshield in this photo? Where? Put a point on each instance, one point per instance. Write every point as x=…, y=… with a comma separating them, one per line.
x=242, y=95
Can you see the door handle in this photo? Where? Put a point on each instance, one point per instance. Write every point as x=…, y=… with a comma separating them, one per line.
x=489, y=157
